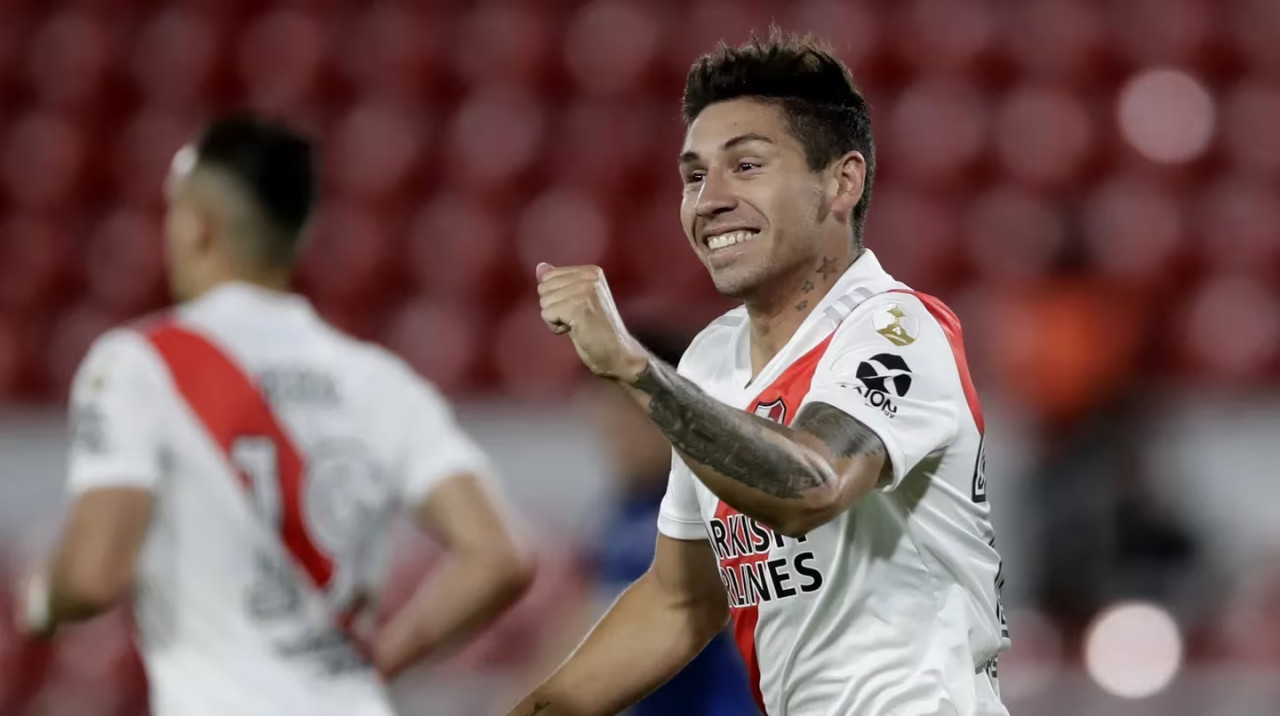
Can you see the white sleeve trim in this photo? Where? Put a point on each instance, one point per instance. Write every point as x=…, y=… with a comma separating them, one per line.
x=681, y=529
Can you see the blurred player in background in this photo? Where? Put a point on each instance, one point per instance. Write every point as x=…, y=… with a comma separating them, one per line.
x=714, y=683
x=236, y=465
x=829, y=493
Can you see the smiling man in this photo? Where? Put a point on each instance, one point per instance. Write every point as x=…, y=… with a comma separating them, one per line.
x=828, y=495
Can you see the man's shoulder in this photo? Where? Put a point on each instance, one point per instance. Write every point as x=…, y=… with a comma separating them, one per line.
x=899, y=317
x=711, y=344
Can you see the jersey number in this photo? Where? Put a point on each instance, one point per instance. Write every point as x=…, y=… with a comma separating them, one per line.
x=256, y=457
x=980, y=472
x=284, y=509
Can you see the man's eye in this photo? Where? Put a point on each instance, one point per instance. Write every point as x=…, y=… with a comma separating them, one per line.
x=694, y=177
x=747, y=166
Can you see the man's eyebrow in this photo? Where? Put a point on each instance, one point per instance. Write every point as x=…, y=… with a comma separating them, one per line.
x=692, y=156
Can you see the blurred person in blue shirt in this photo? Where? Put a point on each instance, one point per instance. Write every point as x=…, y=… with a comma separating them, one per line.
x=715, y=683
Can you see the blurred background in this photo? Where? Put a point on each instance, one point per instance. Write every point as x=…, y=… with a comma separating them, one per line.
x=1090, y=184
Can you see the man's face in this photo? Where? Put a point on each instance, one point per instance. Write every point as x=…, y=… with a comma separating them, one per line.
x=752, y=208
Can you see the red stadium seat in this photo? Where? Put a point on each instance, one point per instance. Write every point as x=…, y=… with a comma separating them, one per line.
x=1012, y=234
x=348, y=256
x=144, y=151
x=280, y=59
x=915, y=236
x=14, y=33
x=1239, y=226
x=1134, y=229
x=936, y=131
x=442, y=343
x=394, y=50
x=44, y=156
x=531, y=362
x=70, y=59
x=494, y=137
x=610, y=45
x=124, y=263
x=1056, y=40
x=1162, y=32
x=34, y=253
x=503, y=42
x=699, y=27
x=607, y=146
x=1231, y=329
x=1253, y=27
x=74, y=330
x=655, y=251
x=456, y=245
x=563, y=228
x=1043, y=136
x=175, y=58
x=375, y=147
x=946, y=35
x=355, y=317
x=852, y=29
x=1250, y=115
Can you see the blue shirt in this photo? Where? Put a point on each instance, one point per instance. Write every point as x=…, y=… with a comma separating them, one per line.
x=715, y=682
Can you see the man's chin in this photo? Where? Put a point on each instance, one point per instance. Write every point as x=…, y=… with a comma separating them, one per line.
x=736, y=285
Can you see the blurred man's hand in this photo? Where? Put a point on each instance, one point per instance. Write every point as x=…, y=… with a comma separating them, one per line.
x=576, y=300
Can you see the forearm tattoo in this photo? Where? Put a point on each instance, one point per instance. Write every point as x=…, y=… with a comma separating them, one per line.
x=843, y=434
x=747, y=448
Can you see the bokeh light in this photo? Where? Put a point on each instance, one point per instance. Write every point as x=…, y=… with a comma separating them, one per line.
x=1133, y=650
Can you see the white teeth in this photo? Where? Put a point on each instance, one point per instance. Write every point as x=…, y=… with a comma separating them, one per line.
x=722, y=241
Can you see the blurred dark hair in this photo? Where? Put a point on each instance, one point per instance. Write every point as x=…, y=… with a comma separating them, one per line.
x=275, y=166
x=823, y=108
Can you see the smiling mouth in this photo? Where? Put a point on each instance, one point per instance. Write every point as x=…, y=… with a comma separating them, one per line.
x=731, y=238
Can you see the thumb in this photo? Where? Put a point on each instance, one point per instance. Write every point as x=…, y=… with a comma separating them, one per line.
x=543, y=269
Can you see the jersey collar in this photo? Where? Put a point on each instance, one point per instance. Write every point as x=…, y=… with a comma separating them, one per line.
x=242, y=295
x=864, y=278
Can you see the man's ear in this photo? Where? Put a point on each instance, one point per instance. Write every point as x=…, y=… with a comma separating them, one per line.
x=849, y=173
x=192, y=229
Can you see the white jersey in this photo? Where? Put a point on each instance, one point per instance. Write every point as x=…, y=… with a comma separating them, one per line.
x=277, y=450
x=892, y=608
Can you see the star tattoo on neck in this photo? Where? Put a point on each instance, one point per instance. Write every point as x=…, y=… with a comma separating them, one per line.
x=828, y=268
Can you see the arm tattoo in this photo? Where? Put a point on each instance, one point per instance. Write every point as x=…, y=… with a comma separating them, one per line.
x=845, y=435
x=747, y=448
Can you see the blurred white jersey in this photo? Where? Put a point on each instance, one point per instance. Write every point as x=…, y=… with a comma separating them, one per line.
x=892, y=608
x=277, y=450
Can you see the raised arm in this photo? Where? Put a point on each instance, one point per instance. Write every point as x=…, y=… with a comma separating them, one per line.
x=792, y=478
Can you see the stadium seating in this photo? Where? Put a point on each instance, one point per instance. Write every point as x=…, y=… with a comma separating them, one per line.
x=464, y=142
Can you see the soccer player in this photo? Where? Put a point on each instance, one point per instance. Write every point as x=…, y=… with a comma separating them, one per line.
x=828, y=495
x=236, y=464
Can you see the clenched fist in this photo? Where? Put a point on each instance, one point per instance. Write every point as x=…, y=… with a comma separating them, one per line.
x=576, y=300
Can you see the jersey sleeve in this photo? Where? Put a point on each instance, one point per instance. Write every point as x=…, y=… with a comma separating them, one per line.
x=433, y=446
x=116, y=415
x=679, y=516
x=890, y=366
